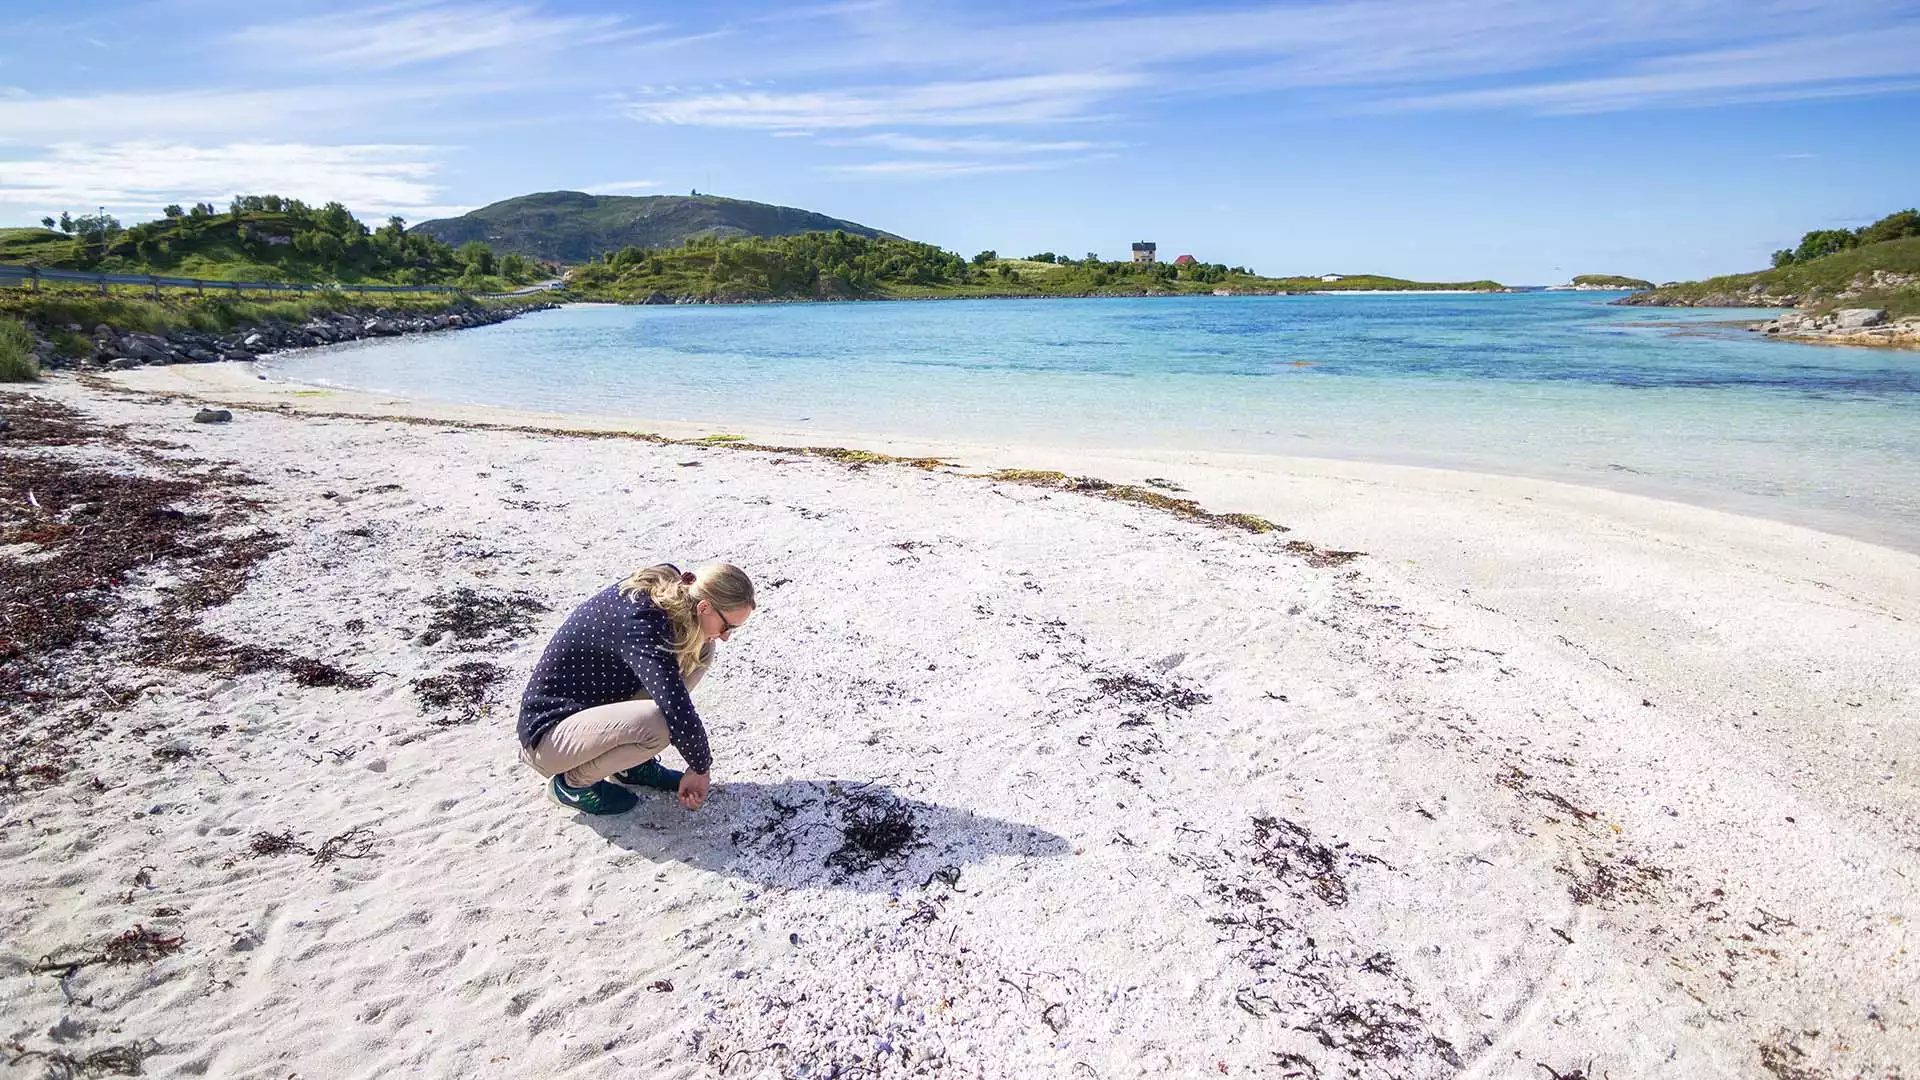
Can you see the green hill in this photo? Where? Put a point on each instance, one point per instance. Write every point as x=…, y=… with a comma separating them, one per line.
x=1875, y=266
x=263, y=238
x=840, y=265
x=573, y=227
x=34, y=247
x=1610, y=281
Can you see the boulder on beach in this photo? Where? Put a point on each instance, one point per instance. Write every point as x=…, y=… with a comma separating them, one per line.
x=1858, y=318
x=212, y=416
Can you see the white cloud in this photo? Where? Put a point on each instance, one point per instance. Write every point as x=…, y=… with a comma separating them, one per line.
x=621, y=185
x=923, y=168
x=397, y=35
x=1458, y=53
x=978, y=144
x=1841, y=65
x=143, y=176
x=1027, y=99
x=184, y=113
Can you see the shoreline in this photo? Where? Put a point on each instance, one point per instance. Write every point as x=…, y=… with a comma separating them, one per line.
x=689, y=300
x=120, y=349
x=238, y=383
x=1549, y=774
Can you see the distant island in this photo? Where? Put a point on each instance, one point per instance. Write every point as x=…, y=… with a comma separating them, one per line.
x=710, y=249
x=1598, y=282
x=574, y=227
x=844, y=266
x=1850, y=286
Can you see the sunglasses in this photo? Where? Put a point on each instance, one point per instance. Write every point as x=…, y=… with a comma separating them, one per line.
x=725, y=626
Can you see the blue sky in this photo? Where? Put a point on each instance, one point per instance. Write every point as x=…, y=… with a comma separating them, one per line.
x=1520, y=140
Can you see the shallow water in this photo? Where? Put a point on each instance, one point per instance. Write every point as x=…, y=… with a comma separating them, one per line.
x=1559, y=385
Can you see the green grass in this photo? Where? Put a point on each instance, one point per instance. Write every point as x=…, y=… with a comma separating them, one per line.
x=53, y=309
x=1816, y=283
x=34, y=246
x=1611, y=281
x=16, y=353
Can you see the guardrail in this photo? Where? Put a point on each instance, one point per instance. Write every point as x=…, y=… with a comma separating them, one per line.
x=32, y=276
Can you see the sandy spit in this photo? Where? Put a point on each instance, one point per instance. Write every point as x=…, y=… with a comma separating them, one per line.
x=1553, y=781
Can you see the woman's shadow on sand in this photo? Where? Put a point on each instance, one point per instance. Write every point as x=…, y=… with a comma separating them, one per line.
x=820, y=833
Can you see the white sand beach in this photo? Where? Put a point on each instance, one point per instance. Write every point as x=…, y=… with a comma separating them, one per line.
x=1551, y=781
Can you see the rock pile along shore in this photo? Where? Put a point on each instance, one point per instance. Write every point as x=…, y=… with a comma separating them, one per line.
x=1846, y=326
x=1859, y=324
x=120, y=349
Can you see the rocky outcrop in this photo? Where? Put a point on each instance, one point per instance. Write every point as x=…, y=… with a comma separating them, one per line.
x=1847, y=326
x=121, y=349
x=1755, y=295
x=1878, y=281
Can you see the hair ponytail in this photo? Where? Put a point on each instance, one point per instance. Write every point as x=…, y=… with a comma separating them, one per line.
x=722, y=585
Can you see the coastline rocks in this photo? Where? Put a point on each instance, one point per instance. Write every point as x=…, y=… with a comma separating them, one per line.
x=119, y=350
x=1848, y=326
x=1877, y=281
x=212, y=416
x=1858, y=318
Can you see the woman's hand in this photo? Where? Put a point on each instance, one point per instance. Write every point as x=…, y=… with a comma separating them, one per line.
x=693, y=790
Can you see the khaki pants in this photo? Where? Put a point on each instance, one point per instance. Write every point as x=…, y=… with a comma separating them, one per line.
x=595, y=743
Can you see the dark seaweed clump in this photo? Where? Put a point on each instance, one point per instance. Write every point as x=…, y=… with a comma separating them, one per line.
x=463, y=693
x=875, y=828
x=472, y=616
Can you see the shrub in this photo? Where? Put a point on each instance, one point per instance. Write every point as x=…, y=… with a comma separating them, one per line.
x=16, y=353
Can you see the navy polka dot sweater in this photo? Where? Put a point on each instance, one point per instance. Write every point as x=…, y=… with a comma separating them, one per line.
x=610, y=649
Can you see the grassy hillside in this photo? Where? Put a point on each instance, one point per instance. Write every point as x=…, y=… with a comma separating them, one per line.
x=263, y=238
x=1874, y=266
x=34, y=247
x=838, y=265
x=1610, y=281
x=1842, y=279
x=574, y=227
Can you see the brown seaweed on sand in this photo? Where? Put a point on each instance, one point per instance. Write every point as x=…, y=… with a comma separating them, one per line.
x=79, y=533
x=472, y=616
x=128, y=1059
x=136, y=946
x=464, y=692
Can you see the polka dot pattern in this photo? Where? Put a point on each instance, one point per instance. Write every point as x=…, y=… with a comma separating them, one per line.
x=610, y=649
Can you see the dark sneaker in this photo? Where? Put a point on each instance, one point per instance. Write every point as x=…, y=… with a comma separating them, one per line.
x=650, y=774
x=600, y=798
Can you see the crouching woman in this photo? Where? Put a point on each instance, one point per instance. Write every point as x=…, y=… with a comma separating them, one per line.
x=610, y=691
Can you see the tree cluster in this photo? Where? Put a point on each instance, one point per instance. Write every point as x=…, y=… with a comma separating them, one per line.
x=325, y=242
x=1823, y=242
x=807, y=264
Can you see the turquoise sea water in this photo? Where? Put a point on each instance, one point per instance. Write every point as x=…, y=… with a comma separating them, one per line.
x=1558, y=385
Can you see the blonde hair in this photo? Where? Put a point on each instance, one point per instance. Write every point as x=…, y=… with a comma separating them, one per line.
x=722, y=585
